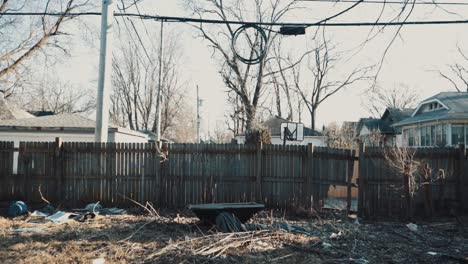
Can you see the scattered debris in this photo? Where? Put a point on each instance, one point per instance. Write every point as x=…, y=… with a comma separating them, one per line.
x=17, y=208
x=358, y=261
x=169, y=238
x=38, y=213
x=61, y=217
x=99, y=261
x=93, y=207
x=326, y=245
x=209, y=212
x=29, y=229
x=412, y=227
x=97, y=208
x=228, y=222
x=336, y=235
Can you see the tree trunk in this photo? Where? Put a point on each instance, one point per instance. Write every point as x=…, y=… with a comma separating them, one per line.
x=312, y=119
x=251, y=114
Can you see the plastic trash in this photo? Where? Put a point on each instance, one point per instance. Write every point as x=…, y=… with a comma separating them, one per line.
x=93, y=207
x=17, y=208
x=336, y=235
x=358, y=261
x=61, y=217
x=432, y=253
x=29, y=229
x=412, y=227
x=326, y=245
x=39, y=214
x=99, y=261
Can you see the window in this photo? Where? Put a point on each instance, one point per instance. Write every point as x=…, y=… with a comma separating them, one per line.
x=458, y=134
x=444, y=135
x=466, y=134
x=423, y=135
x=411, y=141
x=441, y=135
x=426, y=136
x=433, y=135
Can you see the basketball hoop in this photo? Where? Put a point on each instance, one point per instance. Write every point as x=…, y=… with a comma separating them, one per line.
x=292, y=132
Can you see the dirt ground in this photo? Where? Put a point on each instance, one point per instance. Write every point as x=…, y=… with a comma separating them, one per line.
x=179, y=238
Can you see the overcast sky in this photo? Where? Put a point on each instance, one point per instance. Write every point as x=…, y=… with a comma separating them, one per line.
x=411, y=60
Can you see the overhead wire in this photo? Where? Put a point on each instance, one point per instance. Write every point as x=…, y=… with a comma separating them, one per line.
x=174, y=19
x=386, y=2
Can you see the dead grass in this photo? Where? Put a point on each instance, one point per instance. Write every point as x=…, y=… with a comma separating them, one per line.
x=172, y=238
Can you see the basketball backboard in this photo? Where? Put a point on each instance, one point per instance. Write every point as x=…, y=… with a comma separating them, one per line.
x=292, y=131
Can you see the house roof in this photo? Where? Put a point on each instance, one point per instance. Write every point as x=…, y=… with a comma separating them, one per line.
x=370, y=123
x=61, y=122
x=52, y=121
x=274, y=125
x=392, y=116
x=456, y=102
x=153, y=136
x=9, y=110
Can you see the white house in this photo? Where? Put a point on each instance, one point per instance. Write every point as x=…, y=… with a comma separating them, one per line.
x=274, y=126
x=69, y=127
x=441, y=120
x=380, y=131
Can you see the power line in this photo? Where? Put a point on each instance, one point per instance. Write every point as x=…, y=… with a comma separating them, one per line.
x=388, y=2
x=234, y=22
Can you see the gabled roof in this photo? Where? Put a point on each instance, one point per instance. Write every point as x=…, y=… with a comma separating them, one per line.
x=61, y=122
x=392, y=116
x=52, y=121
x=370, y=123
x=9, y=110
x=396, y=114
x=274, y=125
x=455, y=107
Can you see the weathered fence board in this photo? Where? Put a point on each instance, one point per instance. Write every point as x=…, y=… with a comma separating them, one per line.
x=279, y=176
x=383, y=190
x=116, y=173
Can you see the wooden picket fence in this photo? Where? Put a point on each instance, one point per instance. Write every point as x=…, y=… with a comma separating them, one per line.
x=180, y=174
x=440, y=191
x=117, y=174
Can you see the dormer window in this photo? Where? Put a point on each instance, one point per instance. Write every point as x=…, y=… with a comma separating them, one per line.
x=430, y=106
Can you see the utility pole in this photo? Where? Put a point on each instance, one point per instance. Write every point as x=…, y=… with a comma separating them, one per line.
x=198, y=116
x=102, y=113
x=158, y=100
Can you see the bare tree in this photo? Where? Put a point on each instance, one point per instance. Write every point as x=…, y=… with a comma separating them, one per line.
x=135, y=83
x=246, y=81
x=340, y=137
x=399, y=97
x=415, y=171
x=31, y=35
x=457, y=73
x=56, y=96
x=320, y=68
x=221, y=134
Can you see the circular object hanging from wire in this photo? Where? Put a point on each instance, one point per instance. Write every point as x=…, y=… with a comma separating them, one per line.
x=254, y=45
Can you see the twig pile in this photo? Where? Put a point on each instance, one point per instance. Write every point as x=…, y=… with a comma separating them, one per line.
x=222, y=244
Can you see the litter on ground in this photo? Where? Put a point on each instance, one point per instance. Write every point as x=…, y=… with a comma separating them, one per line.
x=176, y=237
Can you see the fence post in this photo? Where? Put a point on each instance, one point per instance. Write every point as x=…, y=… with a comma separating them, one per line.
x=164, y=153
x=361, y=181
x=350, y=171
x=259, y=196
x=461, y=172
x=57, y=168
x=308, y=173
